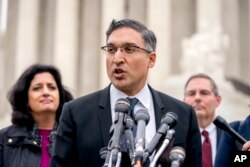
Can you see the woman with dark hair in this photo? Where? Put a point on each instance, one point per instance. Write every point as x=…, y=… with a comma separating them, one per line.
x=36, y=99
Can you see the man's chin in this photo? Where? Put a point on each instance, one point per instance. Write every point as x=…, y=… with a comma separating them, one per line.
x=119, y=85
x=200, y=114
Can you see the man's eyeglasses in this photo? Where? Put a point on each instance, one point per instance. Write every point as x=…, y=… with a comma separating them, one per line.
x=111, y=50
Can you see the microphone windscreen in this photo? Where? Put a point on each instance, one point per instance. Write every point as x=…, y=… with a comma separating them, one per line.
x=142, y=115
x=170, y=118
x=103, y=152
x=122, y=105
x=177, y=151
x=129, y=123
x=221, y=123
x=177, y=154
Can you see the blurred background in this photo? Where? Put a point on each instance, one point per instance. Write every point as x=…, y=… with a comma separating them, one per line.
x=210, y=36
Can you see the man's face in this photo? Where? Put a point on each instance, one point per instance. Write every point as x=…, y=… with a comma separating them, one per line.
x=128, y=69
x=199, y=94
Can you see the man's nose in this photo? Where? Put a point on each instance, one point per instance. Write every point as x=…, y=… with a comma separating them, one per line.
x=197, y=96
x=119, y=56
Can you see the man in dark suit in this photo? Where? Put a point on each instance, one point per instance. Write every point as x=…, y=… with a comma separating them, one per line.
x=229, y=147
x=85, y=122
x=202, y=93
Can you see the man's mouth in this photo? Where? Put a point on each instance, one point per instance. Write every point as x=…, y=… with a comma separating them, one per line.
x=118, y=73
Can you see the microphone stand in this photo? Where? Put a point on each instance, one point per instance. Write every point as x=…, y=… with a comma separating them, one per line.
x=108, y=161
x=113, y=157
x=168, y=121
x=142, y=118
x=130, y=139
x=166, y=141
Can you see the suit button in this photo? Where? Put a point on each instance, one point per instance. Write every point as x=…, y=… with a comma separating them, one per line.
x=10, y=140
x=34, y=142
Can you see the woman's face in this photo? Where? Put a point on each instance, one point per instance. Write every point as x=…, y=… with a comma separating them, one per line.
x=43, y=94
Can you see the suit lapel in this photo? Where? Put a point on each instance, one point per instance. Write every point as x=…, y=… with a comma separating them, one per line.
x=104, y=115
x=105, y=118
x=218, y=131
x=158, y=106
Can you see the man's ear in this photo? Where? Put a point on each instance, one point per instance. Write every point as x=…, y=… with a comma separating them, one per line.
x=152, y=59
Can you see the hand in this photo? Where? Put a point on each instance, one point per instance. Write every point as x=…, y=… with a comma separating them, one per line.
x=246, y=146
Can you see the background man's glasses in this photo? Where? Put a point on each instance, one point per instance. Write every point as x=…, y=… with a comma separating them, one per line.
x=111, y=50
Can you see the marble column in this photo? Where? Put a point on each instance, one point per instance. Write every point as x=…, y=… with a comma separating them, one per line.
x=89, y=64
x=230, y=21
x=136, y=9
x=163, y=31
x=244, y=26
x=66, y=40
x=27, y=33
x=3, y=22
x=182, y=26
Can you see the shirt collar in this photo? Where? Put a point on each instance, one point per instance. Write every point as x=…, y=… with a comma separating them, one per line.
x=143, y=96
x=210, y=128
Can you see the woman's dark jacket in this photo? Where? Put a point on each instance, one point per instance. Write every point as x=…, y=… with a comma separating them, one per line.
x=19, y=148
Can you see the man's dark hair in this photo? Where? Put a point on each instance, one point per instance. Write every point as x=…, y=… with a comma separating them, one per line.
x=147, y=35
x=202, y=75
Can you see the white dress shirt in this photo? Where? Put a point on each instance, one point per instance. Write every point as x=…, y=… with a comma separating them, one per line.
x=145, y=102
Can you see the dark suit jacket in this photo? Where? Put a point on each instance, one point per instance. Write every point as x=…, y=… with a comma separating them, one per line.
x=219, y=132
x=228, y=145
x=85, y=123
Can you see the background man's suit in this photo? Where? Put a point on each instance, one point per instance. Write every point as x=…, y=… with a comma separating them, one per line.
x=86, y=122
x=228, y=146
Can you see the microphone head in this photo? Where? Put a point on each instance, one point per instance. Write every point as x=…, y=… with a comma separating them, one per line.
x=221, y=123
x=129, y=122
x=170, y=118
x=122, y=105
x=177, y=154
x=103, y=152
x=142, y=114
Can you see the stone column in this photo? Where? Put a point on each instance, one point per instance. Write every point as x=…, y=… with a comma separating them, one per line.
x=46, y=31
x=27, y=32
x=244, y=26
x=136, y=10
x=209, y=13
x=182, y=26
x=162, y=28
x=230, y=15
x=3, y=22
x=90, y=47
x=66, y=41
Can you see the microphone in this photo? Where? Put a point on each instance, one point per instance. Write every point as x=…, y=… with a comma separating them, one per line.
x=168, y=121
x=141, y=117
x=103, y=153
x=129, y=137
x=177, y=156
x=222, y=124
x=168, y=139
x=121, y=109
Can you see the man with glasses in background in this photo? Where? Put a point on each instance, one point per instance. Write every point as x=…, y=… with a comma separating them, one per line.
x=85, y=122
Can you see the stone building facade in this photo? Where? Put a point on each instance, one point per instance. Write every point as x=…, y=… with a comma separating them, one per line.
x=69, y=34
